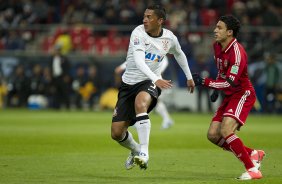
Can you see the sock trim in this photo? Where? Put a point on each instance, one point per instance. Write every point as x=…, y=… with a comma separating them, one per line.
x=230, y=138
x=144, y=117
x=141, y=114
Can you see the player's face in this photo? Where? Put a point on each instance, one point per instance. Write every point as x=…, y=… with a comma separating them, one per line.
x=221, y=33
x=151, y=22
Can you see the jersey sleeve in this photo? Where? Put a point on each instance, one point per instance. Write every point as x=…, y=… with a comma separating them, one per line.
x=237, y=63
x=137, y=41
x=180, y=57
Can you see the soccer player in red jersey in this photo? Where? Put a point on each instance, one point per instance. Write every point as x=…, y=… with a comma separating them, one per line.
x=231, y=61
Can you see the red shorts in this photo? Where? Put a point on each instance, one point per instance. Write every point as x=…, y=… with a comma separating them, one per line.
x=236, y=106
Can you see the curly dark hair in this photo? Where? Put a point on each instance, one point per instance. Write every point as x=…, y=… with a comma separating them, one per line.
x=158, y=10
x=232, y=23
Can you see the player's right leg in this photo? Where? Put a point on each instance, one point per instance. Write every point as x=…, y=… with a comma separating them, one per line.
x=213, y=134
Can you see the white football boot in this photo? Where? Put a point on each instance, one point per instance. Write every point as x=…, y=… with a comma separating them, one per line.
x=250, y=175
x=142, y=160
x=129, y=163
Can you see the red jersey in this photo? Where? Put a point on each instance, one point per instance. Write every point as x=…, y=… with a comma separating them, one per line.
x=232, y=68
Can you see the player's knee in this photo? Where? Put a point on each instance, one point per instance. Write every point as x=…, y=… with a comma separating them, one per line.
x=213, y=136
x=116, y=135
x=141, y=106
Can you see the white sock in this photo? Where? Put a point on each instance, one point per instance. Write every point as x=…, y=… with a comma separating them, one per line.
x=162, y=111
x=143, y=127
x=129, y=142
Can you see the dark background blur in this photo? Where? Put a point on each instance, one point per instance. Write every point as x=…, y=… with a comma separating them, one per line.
x=92, y=38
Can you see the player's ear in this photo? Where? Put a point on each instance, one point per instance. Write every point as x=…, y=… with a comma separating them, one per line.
x=230, y=32
x=160, y=21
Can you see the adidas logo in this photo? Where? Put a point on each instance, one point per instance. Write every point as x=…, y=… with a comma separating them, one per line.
x=230, y=110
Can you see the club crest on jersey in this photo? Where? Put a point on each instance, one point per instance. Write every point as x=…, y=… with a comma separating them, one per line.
x=153, y=57
x=136, y=41
x=165, y=45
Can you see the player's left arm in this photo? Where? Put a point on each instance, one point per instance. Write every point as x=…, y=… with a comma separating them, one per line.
x=183, y=63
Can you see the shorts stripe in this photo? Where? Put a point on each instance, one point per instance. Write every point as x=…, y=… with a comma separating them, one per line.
x=241, y=104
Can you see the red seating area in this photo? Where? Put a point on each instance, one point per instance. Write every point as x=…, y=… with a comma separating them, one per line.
x=83, y=40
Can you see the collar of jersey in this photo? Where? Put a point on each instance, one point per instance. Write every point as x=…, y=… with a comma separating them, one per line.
x=161, y=34
x=230, y=44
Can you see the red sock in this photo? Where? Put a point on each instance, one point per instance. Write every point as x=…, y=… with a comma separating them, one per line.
x=222, y=143
x=237, y=147
x=249, y=150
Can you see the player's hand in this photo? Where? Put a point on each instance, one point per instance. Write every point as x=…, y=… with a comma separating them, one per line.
x=214, y=96
x=164, y=84
x=197, y=79
x=190, y=85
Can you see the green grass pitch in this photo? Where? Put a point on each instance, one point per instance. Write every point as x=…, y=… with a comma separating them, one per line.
x=76, y=147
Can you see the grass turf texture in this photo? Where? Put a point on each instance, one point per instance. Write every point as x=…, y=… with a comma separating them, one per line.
x=75, y=147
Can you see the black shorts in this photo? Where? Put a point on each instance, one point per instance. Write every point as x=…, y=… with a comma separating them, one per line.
x=125, y=108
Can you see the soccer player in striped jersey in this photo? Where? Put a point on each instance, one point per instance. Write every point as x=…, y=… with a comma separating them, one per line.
x=231, y=61
x=142, y=83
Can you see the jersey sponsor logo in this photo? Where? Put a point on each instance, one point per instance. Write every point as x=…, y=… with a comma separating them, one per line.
x=153, y=57
x=234, y=69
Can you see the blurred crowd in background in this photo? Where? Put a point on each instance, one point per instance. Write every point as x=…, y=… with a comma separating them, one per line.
x=59, y=29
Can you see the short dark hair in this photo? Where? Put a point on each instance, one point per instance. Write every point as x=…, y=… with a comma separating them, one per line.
x=232, y=23
x=158, y=10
